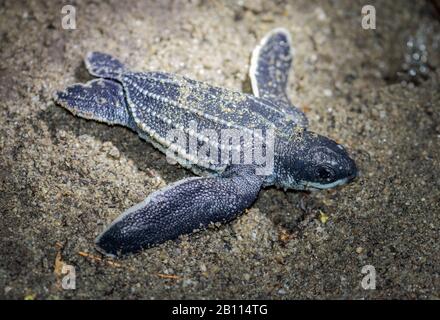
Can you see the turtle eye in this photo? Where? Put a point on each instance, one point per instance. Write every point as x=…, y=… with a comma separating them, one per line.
x=325, y=173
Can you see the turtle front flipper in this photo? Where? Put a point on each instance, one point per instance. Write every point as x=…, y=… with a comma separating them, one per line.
x=181, y=208
x=100, y=99
x=269, y=72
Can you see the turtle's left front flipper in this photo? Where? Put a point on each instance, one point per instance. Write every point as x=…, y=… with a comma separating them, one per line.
x=269, y=72
x=181, y=208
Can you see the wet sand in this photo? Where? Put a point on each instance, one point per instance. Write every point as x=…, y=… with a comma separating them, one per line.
x=63, y=179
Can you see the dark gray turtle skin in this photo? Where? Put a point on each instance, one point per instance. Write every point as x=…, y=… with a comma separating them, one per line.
x=153, y=104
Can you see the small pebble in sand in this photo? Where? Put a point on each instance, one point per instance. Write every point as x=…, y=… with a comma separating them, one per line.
x=111, y=150
x=323, y=217
x=328, y=93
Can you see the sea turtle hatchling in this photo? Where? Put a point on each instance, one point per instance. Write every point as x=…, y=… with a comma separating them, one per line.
x=153, y=104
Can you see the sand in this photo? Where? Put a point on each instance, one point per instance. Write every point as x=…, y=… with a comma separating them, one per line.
x=63, y=179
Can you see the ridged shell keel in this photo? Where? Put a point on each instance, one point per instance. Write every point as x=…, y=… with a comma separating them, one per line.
x=201, y=125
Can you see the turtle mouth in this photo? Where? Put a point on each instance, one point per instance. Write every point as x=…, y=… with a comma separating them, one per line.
x=353, y=176
x=322, y=186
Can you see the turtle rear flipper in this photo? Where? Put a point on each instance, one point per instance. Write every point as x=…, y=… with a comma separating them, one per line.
x=100, y=99
x=269, y=72
x=103, y=65
x=181, y=208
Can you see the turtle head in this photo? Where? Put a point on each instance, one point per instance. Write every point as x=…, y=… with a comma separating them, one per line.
x=311, y=162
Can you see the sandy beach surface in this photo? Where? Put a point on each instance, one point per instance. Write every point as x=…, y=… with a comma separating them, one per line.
x=63, y=179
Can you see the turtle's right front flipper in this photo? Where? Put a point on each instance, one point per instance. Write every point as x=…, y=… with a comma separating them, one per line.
x=181, y=208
